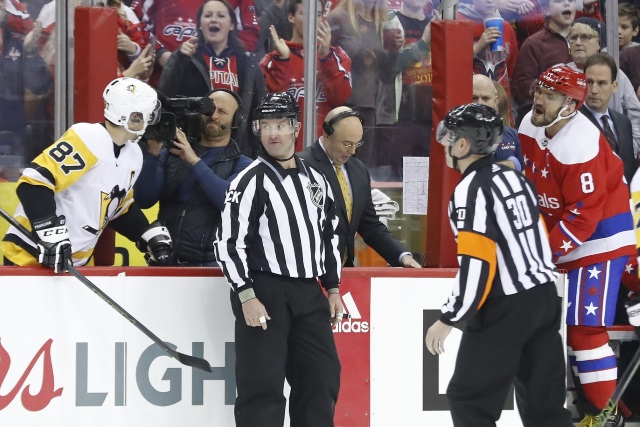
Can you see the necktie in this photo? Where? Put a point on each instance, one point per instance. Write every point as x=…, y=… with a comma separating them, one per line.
x=344, y=187
x=608, y=133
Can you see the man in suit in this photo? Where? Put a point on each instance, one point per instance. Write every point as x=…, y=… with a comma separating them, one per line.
x=332, y=155
x=601, y=72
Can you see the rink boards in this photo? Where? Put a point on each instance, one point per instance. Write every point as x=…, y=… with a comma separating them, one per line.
x=68, y=359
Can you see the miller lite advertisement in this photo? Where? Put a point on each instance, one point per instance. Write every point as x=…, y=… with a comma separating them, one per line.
x=68, y=359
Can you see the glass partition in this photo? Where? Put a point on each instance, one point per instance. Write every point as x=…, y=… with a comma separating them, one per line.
x=371, y=55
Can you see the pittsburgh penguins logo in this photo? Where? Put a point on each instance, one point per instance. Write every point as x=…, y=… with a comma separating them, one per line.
x=110, y=203
x=317, y=194
x=131, y=88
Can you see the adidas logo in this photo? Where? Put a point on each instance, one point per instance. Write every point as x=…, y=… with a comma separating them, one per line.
x=353, y=324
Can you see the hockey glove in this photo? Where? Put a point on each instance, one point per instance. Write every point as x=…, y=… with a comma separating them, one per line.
x=156, y=243
x=54, y=247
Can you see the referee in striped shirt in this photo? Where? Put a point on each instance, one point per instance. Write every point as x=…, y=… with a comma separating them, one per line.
x=505, y=286
x=276, y=238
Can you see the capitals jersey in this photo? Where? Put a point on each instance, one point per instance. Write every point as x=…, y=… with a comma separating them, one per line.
x=582, y=193
x=174, y=21
x=91, y=187
x=333, y=80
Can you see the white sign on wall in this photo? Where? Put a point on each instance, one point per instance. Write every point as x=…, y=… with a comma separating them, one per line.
x=399, y=307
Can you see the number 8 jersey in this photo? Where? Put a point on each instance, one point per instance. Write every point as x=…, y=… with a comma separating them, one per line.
x=583, y=196
x=91, y=187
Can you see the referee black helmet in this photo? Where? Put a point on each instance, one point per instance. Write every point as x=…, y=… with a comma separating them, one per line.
x=277, y=106
x=480, y=124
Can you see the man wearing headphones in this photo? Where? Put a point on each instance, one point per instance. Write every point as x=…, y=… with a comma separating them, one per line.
x=332, y=154
x=190, y=179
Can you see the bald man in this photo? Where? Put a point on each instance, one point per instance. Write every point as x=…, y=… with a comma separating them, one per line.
x=509, y=152
x=190, y=178
x=332, y=154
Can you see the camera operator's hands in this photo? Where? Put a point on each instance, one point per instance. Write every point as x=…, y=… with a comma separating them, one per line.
x=182, y=148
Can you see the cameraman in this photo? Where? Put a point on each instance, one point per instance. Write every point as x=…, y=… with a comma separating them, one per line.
x=190, y=179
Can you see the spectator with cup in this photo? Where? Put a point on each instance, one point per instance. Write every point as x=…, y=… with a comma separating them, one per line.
x=495, y=48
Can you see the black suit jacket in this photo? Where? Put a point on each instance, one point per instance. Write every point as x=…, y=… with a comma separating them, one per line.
x=363, y=215
x=625, y=139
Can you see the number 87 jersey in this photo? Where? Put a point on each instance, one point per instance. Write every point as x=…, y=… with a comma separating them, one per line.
x=91, y=187
x=583, y=196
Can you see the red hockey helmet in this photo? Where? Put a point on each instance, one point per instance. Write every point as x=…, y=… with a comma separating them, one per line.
x=565, y=80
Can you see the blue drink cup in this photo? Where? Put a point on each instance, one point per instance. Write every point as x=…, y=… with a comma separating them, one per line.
x=496, y=46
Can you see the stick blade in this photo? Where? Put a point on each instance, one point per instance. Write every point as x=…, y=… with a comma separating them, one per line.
x=194, y=362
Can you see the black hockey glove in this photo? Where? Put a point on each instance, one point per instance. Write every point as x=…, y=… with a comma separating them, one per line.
x=156, y=243
x=54, y=247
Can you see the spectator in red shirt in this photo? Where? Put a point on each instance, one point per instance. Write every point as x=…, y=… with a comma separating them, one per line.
x=284, y=68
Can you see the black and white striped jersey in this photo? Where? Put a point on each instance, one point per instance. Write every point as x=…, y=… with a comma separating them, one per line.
x=503, y=246
x=280, y=221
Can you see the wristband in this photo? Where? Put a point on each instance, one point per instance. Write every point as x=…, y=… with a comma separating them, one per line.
x=246, y=295
x=333, y=291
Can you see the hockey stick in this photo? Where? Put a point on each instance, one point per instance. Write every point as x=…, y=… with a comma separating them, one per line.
x=194, y=362
x=623, y=383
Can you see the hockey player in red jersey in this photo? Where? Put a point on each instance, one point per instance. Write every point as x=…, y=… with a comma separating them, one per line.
x=584, y=201
x=284, y=68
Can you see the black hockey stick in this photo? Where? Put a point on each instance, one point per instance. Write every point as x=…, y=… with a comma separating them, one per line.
x=623, y=383
x=194, y=362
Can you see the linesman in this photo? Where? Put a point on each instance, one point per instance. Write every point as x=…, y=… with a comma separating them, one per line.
x=504, y=288
x=275, y=239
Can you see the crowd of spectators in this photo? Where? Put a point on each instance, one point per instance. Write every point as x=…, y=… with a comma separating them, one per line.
x=373, y=56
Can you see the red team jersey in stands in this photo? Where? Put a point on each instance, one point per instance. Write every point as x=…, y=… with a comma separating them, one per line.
x=17, y=18
x=333, y=80
x=174, y=23
x=583, y=197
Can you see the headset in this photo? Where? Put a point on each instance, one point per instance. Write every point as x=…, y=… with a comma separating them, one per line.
x=238, y=117
x=328, y=127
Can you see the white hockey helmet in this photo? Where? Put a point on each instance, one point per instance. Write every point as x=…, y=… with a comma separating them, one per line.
x=125, y=98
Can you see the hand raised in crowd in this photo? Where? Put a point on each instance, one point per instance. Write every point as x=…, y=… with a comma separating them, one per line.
x=125, y=44
x=588, y=6
x=142, y=66
x=182, y=148
x=280, y=45
x=31, y=39
x=488, y=36
x=255, y=314
x=521, y=7
x=335, y=308
x=393, y=39
x=426, y=34
x=324, y=39
x=189, y=47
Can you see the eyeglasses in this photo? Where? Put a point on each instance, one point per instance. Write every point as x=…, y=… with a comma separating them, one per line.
x=349, y=146
x=584, y=37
